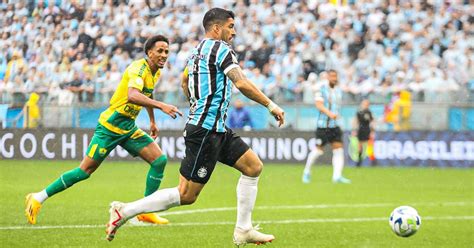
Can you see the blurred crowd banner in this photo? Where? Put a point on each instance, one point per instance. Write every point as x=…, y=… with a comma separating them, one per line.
x=416, y=148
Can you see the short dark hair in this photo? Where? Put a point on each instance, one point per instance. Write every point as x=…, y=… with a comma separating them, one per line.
x=331, y=70
x=216, y=15
x=150, y=42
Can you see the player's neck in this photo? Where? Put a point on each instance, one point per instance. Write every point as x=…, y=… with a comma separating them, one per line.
x=211, y=36
x=153, y=67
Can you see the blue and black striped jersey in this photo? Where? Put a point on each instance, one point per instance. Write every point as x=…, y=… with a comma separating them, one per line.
x=209, y=88
x=331, y=98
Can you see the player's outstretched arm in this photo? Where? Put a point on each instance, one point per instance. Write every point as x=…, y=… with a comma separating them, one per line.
x=251, y=91
x=136, y=97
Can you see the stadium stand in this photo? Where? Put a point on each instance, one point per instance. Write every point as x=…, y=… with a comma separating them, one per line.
x=73, y=52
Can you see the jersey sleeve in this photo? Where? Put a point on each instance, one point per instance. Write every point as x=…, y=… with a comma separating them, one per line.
x=227, y=59
x=318, y=95
x=135, y=74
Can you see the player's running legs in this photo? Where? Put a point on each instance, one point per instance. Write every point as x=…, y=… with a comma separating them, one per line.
x=187, y=192
x=250, y=166
x=312, y=157
x=157, y=160
x=338, y=163
x=34, y=201
x=163, y=199
x=100, y=146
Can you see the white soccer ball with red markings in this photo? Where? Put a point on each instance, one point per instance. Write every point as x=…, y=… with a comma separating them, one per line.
x=405, y=221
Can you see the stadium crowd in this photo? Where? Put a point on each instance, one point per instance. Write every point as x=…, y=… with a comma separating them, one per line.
x=75, y=51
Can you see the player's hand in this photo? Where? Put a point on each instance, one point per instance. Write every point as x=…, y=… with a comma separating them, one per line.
x=171, y=110
x=279, y=115
x=333, y=116
x=154, y=130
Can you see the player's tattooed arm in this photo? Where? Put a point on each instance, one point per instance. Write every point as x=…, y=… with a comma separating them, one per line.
x=251, y=91
x=236, y=74
x=246, y=86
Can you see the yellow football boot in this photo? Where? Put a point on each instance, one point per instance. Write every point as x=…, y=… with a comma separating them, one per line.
x=152, y=218
x=32, y=208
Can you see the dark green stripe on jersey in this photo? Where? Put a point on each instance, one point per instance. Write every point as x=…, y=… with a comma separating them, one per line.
x=142, y=69
x=147, y=90
x=121, y=121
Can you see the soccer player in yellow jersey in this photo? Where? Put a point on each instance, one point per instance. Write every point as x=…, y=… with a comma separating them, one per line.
x=117, y=127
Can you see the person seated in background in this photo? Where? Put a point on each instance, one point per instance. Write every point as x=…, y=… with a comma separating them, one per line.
x=239, y=116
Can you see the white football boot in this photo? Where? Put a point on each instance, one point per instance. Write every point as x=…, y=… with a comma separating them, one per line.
x=251, y=236
x=116, y=220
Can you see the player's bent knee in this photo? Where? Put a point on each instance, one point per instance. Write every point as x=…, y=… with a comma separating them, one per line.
x=89, y=165
x=188, y=199
x=254, y=169
x=159, y=162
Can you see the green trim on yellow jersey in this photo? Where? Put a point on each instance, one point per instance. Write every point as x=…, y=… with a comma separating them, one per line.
x=120, y=116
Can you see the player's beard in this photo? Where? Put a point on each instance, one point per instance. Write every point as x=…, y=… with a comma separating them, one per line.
x=225, y=36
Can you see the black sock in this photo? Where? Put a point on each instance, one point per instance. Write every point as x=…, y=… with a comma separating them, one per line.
x=359, y=162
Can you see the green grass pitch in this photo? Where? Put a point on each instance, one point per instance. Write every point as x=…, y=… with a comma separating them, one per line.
x=319, y=214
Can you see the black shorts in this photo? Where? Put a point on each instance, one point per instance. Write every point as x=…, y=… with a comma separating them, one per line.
x=363, y=134
x=205, y=147
x=330, y=134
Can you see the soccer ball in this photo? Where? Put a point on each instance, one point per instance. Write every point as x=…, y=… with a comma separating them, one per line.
x=404, y=221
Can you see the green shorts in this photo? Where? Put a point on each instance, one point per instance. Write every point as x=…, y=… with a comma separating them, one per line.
x=104, y=141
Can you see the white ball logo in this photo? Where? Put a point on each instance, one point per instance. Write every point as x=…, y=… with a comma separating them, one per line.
x=202, y=172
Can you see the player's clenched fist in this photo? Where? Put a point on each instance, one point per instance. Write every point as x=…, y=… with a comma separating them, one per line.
x=277, y=112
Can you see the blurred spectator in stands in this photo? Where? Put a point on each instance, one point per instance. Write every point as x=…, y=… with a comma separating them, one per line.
x=87, y=88
x=417, y=87
x=31, y=112
x=355, y=47
x=15, y=66
x=390, y=62
x=290, y=40
x=3, y=67
x=74, y=85
x=16, y=87
x=398, y=111
x=399, y=82
x=239, y=116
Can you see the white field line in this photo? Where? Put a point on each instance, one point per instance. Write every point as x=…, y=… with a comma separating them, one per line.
x=320, y=206
x=329, y=220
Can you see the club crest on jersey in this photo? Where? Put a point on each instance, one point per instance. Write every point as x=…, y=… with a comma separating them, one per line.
x=102, y=151
x=202, y=172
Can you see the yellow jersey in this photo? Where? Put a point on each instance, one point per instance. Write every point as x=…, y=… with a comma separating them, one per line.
x=120, y=116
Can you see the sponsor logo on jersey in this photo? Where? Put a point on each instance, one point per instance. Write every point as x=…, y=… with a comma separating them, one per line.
x=130, y=110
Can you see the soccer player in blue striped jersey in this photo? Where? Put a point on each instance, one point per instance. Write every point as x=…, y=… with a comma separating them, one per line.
x=211, y=72
x=327, y=101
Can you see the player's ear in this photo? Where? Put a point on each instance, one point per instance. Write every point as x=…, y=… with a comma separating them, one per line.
x=216, y=27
